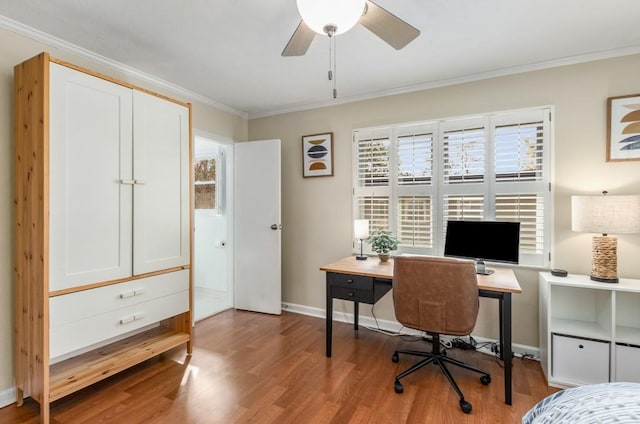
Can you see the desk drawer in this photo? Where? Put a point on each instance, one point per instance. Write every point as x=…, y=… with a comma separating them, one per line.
x=348, y=293
x=355, y=282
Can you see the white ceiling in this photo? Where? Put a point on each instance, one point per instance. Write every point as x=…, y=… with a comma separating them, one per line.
x=228, y=51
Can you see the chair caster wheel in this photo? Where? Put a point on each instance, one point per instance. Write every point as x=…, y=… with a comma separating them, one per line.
x=465, y=406
x=395, y=358
x=485, y=379
x=398, y=387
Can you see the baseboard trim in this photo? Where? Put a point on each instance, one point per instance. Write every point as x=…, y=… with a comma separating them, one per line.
x=7, y=397
x=394, y=326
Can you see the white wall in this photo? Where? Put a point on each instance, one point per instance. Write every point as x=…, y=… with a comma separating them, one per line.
x=14, y=49
x=317, y=211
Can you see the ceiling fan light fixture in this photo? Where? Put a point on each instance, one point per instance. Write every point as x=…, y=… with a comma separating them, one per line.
x=322, y=14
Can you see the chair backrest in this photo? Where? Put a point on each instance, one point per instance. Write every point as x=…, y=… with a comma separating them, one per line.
x=434, y=294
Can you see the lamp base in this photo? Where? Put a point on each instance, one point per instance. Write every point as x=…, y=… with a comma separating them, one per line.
x=361, y=257
x=604, y=280
x=604, y=265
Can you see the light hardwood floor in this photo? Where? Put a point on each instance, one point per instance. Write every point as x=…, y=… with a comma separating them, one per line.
x=254, y=368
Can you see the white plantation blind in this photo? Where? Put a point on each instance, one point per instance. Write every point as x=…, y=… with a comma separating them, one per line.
x=373, y=158
x=529, y=211
x=519, y=152
x=414, y=225
x=464, y=155
x=376, y=210
x=413, y=178
x=458, y=208
x=415, y=159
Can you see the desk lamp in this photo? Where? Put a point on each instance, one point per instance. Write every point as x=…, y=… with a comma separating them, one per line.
x=361, y=231
x=605, y=214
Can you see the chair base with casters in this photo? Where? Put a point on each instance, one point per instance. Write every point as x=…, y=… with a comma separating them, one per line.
x=438, y=357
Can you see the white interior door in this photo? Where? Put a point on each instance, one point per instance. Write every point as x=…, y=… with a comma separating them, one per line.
x=257, y=229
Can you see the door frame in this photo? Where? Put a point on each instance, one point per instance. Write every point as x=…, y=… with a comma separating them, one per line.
x=228, y=203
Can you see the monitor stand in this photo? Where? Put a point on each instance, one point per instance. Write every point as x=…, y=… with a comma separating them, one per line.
x=480, y=268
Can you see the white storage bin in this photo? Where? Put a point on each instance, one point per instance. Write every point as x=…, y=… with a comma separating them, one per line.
x=627, y=358
x=580, y=361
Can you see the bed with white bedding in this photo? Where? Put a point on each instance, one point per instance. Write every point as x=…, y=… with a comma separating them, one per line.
x=596, y=403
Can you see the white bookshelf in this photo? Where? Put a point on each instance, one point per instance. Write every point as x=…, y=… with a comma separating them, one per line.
x=589, y=331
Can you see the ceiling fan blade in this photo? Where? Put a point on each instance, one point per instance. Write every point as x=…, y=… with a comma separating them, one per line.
x=393, y=30
x=300, y=41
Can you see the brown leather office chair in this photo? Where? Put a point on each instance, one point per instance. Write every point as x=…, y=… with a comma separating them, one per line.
x=438, y=296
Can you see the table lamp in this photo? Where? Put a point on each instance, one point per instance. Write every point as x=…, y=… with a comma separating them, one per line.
x=361, y=231
x=605, y=214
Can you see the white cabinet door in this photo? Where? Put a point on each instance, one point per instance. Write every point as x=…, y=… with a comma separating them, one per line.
x=161, y=192
x=90, y=155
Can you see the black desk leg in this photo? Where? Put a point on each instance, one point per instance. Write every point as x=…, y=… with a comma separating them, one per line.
x=329, y=318
x=356, y=314
x=505, y=314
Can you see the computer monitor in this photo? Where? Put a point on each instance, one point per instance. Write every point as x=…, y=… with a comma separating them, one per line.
x=493, y=241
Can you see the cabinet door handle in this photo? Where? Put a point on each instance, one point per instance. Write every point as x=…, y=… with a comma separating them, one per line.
x=127, y=182
x=351, y=294
x=139, y=182
x=581, y=346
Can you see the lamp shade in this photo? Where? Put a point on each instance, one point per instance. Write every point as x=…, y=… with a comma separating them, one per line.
x=361, y=228
x=605, y=214
x=343, y=14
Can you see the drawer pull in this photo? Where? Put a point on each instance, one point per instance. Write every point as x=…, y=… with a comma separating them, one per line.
x=581, y=346
x=131, y=293
x=131, y=318
x=351, y=294
x=350, y=281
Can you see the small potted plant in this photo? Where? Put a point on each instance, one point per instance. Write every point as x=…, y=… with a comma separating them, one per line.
x=382, y=242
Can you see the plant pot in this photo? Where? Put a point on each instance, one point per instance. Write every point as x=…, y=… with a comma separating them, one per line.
x=384, y=257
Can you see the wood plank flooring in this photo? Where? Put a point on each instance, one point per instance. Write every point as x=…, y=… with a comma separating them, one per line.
x=255, y=368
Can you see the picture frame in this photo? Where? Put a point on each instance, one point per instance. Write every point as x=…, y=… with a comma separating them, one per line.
x=317, y=155
x=623, y=128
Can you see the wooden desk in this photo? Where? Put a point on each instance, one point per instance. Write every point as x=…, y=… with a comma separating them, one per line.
x=367, y=281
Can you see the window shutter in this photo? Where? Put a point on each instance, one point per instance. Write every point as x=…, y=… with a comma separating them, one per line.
x=372, y=159
x=414, y=223
x=529, y=210
x=415, y=159
x=463, y=207
x=376, y=210
x=464, y=156
x=519, y=152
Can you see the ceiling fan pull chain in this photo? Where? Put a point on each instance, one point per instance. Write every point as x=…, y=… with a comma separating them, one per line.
x=330, y=73
x=335, y=74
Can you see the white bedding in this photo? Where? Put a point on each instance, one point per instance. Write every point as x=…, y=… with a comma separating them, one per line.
x=592, y=404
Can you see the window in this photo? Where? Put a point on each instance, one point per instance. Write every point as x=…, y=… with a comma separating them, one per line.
x=412, y=178
x=205, y=183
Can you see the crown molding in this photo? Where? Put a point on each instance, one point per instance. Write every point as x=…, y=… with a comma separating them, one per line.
x=571, y=60
x=42, y=37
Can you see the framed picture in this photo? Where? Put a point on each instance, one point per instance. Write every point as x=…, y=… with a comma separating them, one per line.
x=317, y=155
x=623, y=128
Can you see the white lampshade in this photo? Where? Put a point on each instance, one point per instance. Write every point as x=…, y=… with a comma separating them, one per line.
x=361, y=228
x=605, y=214
x=343, y=14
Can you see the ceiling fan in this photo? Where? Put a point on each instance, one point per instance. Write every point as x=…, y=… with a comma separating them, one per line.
x=332, y=17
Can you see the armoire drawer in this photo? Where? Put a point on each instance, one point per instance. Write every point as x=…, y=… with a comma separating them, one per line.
x=78, y=306
x=72, y=336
